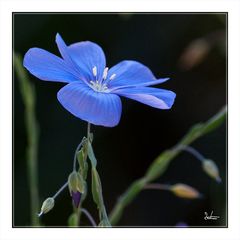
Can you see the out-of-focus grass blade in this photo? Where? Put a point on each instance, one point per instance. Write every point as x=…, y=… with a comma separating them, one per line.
x=215, y=121
x=28, y=95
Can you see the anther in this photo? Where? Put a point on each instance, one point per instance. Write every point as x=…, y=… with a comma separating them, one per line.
x=113, y=76
x=94, y=70
x=105, y=72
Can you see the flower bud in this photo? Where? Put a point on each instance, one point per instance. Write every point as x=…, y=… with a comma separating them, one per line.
x=194, y=54
x=185, y=191
x=47, y=205
x=211, y=169
x=181, y=224
x=104, y=223
x=76, y=187
x=76, y=197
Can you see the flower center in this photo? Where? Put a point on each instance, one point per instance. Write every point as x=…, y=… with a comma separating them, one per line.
x=100, y=84
x=99, y=87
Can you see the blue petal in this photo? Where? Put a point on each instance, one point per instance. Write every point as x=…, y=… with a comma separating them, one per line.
x=131, y=73
x=88, y=55
x=76, y=197
x=46, y=66
x=95, y=107
x=154, y=97
x=64, y=50
x=144, y=84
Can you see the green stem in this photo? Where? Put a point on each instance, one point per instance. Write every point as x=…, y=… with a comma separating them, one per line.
x=89, y=216
x=78, y=211
x=194, y=152
x=88, y=130
x=160, y=164
x=60, y=190
x=78, y=214
x=28, y=95
x=96, y=184
x=157, y=186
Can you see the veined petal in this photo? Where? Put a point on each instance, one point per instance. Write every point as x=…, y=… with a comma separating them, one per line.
x=144, y=84
x=131, y=73
x=88, y=55
x=95, y=107
x=47, y=66
x=64, y=50
x=154, y=97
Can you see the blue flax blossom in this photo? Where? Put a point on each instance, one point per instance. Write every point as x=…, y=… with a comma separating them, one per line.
x=93, y=91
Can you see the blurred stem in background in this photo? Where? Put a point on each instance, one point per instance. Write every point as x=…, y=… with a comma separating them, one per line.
x=28, y=95
x=160, y=164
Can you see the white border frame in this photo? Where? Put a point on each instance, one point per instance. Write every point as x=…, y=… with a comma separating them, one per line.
x=9, y=6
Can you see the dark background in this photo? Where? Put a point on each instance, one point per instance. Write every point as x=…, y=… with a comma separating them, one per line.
x=160, y=41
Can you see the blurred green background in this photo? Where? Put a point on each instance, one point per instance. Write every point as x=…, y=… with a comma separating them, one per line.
x=188, y=48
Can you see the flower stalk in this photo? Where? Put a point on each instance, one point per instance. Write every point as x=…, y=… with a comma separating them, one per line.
x=180, y=190
x=96, y=182
x=194, y=152
x=60, y=190
x=208, y=165
x=83, y=151
x=89, y=216
x=83, y=169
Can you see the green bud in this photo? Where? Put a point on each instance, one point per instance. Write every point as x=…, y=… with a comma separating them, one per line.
x=81, y=158
x=83, y=165
x=73, y=220
x=75, y=182
x=47, y=205
x=211, y=169
x=96, y=187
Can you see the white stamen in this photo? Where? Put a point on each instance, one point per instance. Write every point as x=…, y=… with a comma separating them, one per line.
x=113, y=76
x=97, y=86
x=94, y=70
x=105, y=72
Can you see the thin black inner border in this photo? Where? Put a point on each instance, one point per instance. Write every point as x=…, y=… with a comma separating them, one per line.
x=114, y=13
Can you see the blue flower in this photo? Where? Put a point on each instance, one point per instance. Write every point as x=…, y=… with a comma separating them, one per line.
x=93, y=91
